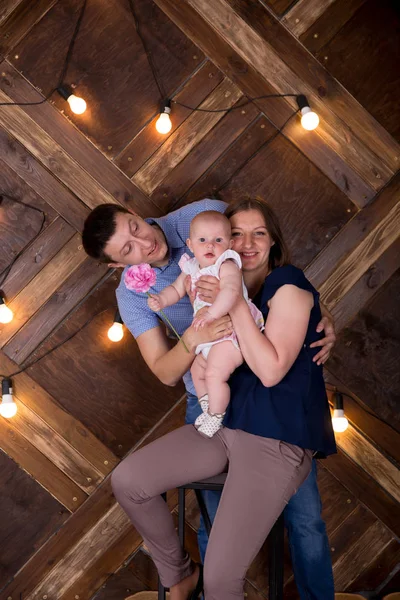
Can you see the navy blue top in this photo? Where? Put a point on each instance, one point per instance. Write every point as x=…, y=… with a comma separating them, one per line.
x=295, y=410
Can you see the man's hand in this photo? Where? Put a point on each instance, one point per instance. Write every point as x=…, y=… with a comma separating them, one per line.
x=327, y=325
x=154, y=302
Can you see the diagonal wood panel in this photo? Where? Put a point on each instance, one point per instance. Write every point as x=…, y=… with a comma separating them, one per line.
x=186, y=137
x=355, y=147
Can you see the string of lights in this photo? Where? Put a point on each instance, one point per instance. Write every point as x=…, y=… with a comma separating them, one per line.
x=78, y=105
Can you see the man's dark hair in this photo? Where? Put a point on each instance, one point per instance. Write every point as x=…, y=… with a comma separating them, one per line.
x=98, y=228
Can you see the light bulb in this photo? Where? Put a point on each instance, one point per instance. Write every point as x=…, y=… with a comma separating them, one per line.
x=116, y=332
x=6, y=314
x=8, y=408
x=77, y=105
x=309, y=119
x=163, y=123
x=339, y=421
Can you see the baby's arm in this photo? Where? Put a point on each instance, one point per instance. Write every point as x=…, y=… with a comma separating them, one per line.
x=230, y=288
x=169, y=295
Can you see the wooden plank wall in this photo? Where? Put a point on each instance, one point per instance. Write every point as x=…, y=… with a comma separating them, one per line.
x=85, y=405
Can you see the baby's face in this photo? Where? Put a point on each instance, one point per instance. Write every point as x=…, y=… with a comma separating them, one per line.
x=208, y=241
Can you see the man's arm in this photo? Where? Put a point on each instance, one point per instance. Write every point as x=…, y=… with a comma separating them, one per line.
x=170, y=364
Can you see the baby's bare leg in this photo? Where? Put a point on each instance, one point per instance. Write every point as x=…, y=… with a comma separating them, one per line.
x=198, y=372
x=222, y=360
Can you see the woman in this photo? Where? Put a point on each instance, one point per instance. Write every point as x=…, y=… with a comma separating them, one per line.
x=277, y=418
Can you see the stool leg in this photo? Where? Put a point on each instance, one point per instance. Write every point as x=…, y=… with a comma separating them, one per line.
x=204, y=511
x=275, y=560
x=161, y=588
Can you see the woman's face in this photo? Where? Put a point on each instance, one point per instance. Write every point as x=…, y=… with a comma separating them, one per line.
x=251, y=240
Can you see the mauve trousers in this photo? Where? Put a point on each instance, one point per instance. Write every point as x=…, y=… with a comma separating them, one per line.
x=263, y=474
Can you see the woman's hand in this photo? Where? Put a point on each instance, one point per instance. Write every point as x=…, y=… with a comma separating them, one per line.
x=207, y=288
x=203, y=319
x=327, y=325
x=209, y=333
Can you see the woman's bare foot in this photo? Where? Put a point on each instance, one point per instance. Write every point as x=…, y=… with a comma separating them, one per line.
x=184, y=588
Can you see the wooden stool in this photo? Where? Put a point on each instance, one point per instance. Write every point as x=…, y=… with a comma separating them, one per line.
x=275, y=538
x=344, y=596
x=392, y=596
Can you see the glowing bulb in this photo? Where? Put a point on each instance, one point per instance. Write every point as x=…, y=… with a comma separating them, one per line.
x=116, y=332
x=77, y=105
x=6, y=314
x=8, y=408
x=163, y=123
x=339, y=421
x=309, y=119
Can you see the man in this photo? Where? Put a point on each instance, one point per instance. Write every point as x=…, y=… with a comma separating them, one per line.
x=121, y=238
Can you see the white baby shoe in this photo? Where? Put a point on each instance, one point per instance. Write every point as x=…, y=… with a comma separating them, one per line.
x=210, y=424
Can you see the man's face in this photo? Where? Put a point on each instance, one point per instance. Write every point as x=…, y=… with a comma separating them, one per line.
x=135, y=241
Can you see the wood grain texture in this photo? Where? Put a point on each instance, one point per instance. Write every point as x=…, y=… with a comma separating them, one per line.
x=180, y=143
x=203, y=156
x=251, y=71
x=367, y=286
x=364, y=57
x=360, y=555
x=381, y=568
x=46, y=282
x=56, y=448
x=67, y=296
x=223, y=169
x=31, y=517
x=69, y=138
x=109, y=65
x=39, y=467
x=36, y=256
x=366, y=354
x=113, y=385
x=29, y=170
x=17, y=17
x=334, y=104
x=303, y=14
x=148, y=140
x=84, y=524
x=353, y=234
x=365, y=490
x=356, y=264
x=362, y=452
x=46, y=407
x=328, y=24
x=310, y=215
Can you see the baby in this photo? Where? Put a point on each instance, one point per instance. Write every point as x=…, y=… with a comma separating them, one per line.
x=211, y=243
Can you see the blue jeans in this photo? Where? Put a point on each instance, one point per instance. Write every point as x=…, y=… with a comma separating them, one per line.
x=309, y=546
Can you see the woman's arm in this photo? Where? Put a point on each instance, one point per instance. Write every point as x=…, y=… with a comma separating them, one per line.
x=170, y=364
x=271, y=355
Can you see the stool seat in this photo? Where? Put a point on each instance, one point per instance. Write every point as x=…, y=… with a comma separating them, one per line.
x=275, y=538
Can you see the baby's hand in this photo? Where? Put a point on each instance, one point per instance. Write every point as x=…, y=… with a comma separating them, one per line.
x=202, y=320
x=154, y=302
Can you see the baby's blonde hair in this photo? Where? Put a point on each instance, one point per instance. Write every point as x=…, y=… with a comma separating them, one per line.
x=211, y=215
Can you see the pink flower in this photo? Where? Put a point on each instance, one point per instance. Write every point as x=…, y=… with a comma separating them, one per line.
x=140, y=278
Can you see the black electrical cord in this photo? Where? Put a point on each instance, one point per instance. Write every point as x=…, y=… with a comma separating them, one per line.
x=70, y=337
x=248, y=101
x=156, y=78
x=4, y=274
x=65, y=66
